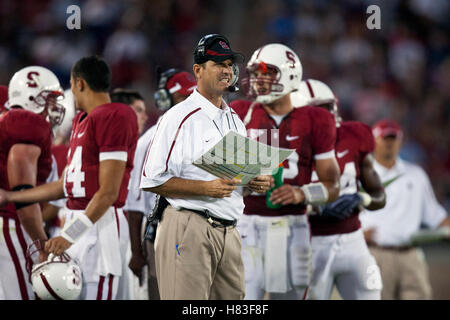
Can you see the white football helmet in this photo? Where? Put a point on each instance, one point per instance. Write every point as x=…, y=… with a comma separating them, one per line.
x=64, y=129
x=58, y=278
x=316, y=93
x=283, y=69
x=36, y=89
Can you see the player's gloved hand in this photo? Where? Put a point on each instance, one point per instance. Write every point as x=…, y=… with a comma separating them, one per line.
x=342, y=207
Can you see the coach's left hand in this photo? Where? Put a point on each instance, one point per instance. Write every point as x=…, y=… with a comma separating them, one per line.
x=57, y=245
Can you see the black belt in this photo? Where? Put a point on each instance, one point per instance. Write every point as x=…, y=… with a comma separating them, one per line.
x=211, y=219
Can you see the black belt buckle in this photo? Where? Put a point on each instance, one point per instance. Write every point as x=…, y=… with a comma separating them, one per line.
x=223, y=222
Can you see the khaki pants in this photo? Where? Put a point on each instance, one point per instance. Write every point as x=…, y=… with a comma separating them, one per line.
x=196, y=261
x=404, y=274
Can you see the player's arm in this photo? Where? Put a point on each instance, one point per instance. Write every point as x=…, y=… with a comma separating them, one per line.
x=45, y=192
x=329, y=173
x=137, y=261
x=372, y=185
x=22, y=173
x=110, y=178
x=326, y=190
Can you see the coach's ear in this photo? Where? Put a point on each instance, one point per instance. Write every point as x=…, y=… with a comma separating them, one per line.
x=197, y=68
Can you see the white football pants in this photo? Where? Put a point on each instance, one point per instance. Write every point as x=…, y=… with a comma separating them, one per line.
x=345, y=261
x=14, y=278
x=276, y=252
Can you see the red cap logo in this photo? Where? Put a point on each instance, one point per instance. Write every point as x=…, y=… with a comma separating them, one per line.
x=224, y=45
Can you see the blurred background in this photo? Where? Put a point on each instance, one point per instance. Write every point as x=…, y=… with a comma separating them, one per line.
x=401, y=71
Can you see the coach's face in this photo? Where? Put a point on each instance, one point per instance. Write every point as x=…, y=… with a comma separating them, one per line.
x=388, y=147
x=214, y=77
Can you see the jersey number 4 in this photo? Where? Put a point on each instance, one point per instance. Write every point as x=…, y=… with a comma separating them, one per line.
x=347, y=181
x=74, y=174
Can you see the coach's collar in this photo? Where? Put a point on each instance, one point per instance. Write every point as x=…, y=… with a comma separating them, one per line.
x=211, y=110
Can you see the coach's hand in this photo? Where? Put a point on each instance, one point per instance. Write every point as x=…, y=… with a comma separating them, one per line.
x=261, y=183
x=220, y=188
x=287, y=194
x=57, y=245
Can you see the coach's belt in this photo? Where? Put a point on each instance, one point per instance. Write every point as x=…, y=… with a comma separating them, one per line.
x=211, y=219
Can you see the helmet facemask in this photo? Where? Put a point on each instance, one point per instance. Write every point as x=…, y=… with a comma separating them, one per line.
x=262, y=83
x=47, y=100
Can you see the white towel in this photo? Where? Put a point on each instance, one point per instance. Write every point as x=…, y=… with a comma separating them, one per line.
x=275, y=260
x=98, y=251
x=109, y=244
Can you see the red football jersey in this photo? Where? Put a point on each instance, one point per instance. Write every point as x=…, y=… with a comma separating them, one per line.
x=310, y=131
x=110, y=131
x=354, y=141
x=22, y=126
x=60, y=154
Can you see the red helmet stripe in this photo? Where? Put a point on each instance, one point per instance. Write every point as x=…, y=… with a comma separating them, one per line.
x=311, y=92
x=262, y=66
x=49, y=288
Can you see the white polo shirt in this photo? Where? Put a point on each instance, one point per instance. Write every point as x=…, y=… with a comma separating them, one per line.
x=410, y=203
x=183, y=135
x=137, y=199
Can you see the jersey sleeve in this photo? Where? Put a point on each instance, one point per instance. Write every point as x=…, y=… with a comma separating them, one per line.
x=115, y=133
x=29, y=128
x=324, y=133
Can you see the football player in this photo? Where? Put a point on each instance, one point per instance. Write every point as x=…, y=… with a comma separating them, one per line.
x=274, y=228
x=340, y=253
x=25, y=161
x=101, y=153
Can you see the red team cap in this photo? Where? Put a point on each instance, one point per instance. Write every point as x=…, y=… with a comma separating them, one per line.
x=3, y=97
x=182, y=82
x=386, y=128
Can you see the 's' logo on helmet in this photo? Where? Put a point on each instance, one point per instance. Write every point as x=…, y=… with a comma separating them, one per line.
x=32, y=83
x=224, y=45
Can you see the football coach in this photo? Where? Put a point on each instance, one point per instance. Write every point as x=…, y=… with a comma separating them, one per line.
x=197, y=247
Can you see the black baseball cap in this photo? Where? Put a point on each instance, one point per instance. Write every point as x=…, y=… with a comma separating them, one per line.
x=217, y=48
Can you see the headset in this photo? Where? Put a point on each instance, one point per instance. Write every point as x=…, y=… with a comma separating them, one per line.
x=200, y=52
x=163, y=98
